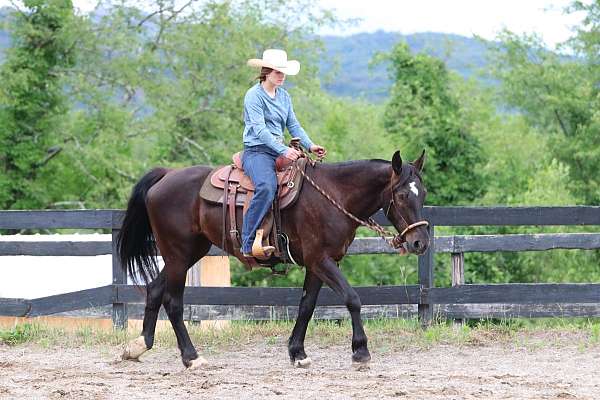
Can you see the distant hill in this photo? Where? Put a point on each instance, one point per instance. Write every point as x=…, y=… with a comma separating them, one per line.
x=354, y=53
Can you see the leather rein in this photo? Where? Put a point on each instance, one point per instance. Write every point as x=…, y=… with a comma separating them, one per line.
x=396, y=241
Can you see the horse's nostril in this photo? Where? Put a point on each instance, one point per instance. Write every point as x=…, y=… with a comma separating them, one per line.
x=417, y=244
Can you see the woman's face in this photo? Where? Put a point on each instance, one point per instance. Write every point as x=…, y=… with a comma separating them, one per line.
x=276, y=78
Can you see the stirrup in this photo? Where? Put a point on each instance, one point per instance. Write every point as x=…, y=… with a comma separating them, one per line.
x=258, y=251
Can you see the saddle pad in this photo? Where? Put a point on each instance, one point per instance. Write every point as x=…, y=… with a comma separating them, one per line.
x=213, y=186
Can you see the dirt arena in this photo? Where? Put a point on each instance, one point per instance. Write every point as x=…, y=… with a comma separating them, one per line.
x=544, y=368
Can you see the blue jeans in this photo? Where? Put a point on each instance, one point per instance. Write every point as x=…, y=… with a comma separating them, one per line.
x=259, y=165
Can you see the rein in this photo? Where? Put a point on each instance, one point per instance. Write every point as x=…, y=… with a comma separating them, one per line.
x=396, y=241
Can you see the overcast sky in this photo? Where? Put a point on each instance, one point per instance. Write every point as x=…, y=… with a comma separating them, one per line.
x=463, y=17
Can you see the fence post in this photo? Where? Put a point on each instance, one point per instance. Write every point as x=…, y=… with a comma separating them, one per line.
x=210, y=271
x=119, y=310
x=458, y=275
x=426, y=281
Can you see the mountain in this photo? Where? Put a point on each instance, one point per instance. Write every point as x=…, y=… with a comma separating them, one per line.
x=352, y=54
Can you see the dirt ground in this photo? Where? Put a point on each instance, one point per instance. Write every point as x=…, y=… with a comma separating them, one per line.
x=262, y=371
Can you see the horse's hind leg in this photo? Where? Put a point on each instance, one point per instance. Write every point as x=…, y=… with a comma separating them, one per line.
x=173, y=303
x=154, y=298
x=178, y=259
x=167, y=289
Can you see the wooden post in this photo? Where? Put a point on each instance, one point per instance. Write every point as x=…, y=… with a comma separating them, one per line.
x=458, y=275
x=119, y=310
x=211, y=271
x=426, y=281
x=193, y=276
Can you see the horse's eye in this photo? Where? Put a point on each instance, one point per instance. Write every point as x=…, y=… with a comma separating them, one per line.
x=402, y=195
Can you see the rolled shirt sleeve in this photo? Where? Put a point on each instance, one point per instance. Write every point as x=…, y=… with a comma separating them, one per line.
x=256, y=120
x=296, y=129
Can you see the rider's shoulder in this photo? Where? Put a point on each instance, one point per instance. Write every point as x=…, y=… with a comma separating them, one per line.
x=252, y=93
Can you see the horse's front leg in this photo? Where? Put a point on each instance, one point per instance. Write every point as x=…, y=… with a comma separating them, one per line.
x=310, y=293
x=329, y=272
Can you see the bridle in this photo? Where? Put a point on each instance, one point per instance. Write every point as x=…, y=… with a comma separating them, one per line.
x=396, y=242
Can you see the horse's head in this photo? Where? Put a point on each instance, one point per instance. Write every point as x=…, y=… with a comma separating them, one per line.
x=403, y=204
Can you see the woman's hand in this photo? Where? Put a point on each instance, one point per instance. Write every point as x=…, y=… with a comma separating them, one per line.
x=292, y=154
x=318, y=150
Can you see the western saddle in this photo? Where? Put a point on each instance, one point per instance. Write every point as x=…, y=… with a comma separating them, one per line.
x=232, y=188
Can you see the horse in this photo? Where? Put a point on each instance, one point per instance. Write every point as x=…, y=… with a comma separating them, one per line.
x=166, y=211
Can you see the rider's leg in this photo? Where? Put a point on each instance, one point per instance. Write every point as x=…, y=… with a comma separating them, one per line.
x=260, y=167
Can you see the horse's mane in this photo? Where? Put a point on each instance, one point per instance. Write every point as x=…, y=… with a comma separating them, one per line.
x=351, y=167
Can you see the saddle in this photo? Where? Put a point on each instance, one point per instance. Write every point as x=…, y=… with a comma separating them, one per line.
x=231, y=187
x=289, y=181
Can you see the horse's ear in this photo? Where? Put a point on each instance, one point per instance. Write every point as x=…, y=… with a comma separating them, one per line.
x=419, y=162
x=397, y=163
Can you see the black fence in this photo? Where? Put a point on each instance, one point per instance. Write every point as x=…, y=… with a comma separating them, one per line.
x=459, y=301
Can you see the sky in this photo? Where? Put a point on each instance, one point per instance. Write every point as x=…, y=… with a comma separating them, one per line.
x=464, y=17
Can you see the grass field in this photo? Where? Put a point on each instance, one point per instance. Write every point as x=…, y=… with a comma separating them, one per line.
x=392, y=333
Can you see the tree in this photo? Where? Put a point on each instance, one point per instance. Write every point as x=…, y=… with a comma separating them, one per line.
x=559, y=95
x=422, y=113
x=165, y=86
x=32, y=100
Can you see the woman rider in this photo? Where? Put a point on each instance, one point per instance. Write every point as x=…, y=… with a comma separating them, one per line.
x=267, y=112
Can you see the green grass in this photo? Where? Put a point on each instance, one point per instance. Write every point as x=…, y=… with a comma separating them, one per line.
x=47, y=336
x=384, y=334
x=19, y=334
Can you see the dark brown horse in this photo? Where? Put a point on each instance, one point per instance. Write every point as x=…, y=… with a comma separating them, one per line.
x=165, y=205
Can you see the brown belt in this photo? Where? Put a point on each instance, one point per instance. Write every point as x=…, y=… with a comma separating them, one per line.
x=234, y=234
x=224, y=220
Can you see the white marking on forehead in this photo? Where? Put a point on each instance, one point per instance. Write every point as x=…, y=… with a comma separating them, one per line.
x=413, y=188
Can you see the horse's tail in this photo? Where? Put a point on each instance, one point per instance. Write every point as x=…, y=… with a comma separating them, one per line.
x=135, y=242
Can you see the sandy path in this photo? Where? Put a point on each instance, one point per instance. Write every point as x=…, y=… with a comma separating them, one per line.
x=262, y=371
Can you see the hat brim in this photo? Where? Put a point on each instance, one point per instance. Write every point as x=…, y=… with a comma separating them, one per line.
x=292, y=67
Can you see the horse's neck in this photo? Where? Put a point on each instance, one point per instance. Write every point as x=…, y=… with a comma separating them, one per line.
x=359, y=185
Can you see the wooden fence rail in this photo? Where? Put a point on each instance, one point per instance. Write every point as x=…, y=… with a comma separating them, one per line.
x=458, y=301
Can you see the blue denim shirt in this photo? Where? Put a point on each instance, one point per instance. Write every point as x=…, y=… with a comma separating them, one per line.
x=266, y=118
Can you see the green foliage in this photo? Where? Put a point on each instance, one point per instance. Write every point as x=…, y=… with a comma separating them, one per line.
x=32, y=100
x=423, y=113
x=559, y=95
x=166, y=87
x=19, y=334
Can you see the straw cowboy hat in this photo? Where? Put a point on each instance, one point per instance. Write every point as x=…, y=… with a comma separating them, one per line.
x=276, y=59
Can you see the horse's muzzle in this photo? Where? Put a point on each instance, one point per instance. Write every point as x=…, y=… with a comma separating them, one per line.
x=417, y=247
x=397, y=242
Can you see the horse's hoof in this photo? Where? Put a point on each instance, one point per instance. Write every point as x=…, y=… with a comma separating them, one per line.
x=197, y=363
x=134, y=349
x=361, y=357
x=361, y=366
x=304, y=363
